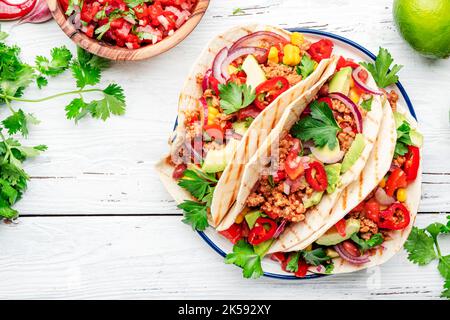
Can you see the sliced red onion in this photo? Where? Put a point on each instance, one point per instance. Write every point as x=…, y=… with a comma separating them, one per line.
x=182, y=18
x=205, y=110
x=280, y=229
x=205, y=81
x=353, y=107
x=163, y=20
x=39, y=14
x=344, y=254
x=319, y=268
x=383, y=198
x=361, y=84
x=327, y=158
x=253, y=38
x=217, y=64
x=237, y=53
x=198, y=158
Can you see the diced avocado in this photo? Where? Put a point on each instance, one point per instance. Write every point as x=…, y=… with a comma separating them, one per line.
x=399, y=119
x=240, y=127
x=332, y=237
x=251, y=218
x=341, y=81
x=217, y=160
x=353, y=153
x=332, y=253
x=327, y=155
x=255, y=74
x=333, y=176
x=416, y=138
x=261, y=249
x=313, y=199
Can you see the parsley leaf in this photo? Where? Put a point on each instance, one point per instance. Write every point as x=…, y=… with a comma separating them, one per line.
x=306, y=66
x=403, y=139
x=446, y=292
x=367, y=104
x=195, y=214
x=60, y=61
x=244, y=256
x=292, y=265
x=18, y=122
x=315, y=257
x=365, y=245
x=420, y=247
x=320, y=126
x=197, y=183
x=380, y=69
x=234, y=97
x=112, y=103
x=85, y=74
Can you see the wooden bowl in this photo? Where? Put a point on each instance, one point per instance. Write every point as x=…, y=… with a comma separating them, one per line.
x=112, y=52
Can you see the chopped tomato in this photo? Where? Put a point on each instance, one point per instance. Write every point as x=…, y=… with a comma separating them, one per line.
x=269, y=90
x=215, y=132
x=214, y=84
x=316, y=176
x=278, y=256
x=141, y=11
x=372, y=210
x=293, y=165
x=396, y=217
x=302, y=269
x=280, y=175
x=89, y=31
x=359, y=207
x=263, y=230
x=321, y=49
x=411, y=165
x=233, y=233
x=363, y=75
x=341, y=226
x=397, y=179
x=327, y=100
x=88, y=11
x=342, y=63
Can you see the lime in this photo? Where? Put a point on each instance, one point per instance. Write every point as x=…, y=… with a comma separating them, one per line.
x=425, y=25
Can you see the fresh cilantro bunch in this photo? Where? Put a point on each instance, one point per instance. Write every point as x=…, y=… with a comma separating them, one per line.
x=234, y=97
x=423, y=247
x=201, y=186
x=15, y=77
x=380, y=69
x=306, y=66
x=13, y=179
x=320, y=126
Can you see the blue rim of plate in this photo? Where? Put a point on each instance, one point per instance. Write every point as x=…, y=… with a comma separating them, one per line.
x=400, y=88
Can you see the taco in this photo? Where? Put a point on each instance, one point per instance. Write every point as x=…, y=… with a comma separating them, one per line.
x=319, y=147
x=234, y=96
x=373, y=217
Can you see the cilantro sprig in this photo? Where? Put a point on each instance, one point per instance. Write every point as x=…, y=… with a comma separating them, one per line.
x=244, y=256
x=365, y=245
x=423, y=247
x=380, y=69
x=314, y=257
x=234, y=97
x=201, y=186
x=15, y=77
x=306, y=66
x=320, y=126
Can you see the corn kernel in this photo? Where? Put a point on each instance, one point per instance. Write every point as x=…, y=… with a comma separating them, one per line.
x=240, y=218
x=352, y=83
x=291, y=55
x=382, y=183
x=232, y=69
x=213, y=111
x=297, y=38
x=273, y=55
x=354, y=96
x=401, y=194
x=309, y=248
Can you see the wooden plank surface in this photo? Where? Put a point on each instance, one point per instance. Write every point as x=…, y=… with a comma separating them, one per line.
x=128, y=258
x=105, y=169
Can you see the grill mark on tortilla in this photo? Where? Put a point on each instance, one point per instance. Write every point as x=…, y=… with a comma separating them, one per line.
x=344, y=198
x=361, y=183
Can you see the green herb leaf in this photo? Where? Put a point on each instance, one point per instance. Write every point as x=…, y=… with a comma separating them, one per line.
x=306, y=66
x=234, y=97
x=365, y=245
x=244, y=256
x=292, y=265
x=320, y=126
x=197, y=183
x=420, y=247
x=60, y=61
x=367, y=104
x=380, y=69
x=195, y=214
x=315, y=257
x=444, y=266
x=85, y=74
x=238, y=11
x=18, y=122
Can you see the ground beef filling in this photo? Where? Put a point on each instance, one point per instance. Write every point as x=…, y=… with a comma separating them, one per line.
x=346, y=122
x=273, y=70
x=272, y=200
x=367, y=227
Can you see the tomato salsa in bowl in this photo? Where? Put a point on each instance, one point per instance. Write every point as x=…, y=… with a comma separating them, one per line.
x=127, y=29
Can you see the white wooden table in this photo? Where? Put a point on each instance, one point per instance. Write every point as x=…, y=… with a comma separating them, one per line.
x=97, y=223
